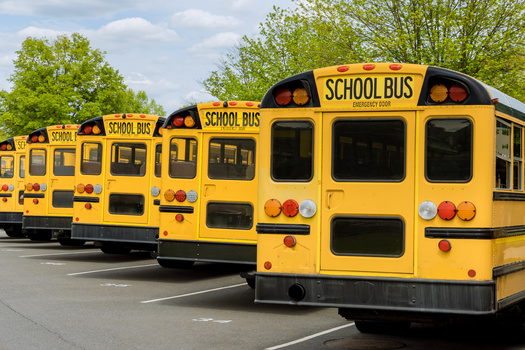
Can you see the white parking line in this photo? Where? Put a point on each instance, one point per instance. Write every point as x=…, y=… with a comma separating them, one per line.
x=194, y=293
x=310, y=337
x=113, y=269
x=50, y=254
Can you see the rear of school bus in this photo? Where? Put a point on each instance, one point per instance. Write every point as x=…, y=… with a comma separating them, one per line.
x=376, y=196
x=207, y=211
x=118, y=182
x=48, y=197
x=12, y=173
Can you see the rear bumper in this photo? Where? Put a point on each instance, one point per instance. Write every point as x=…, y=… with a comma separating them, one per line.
x=237, y=253
x=133, y=236
x=10, y=218
x=363, y=294
x=47, y=222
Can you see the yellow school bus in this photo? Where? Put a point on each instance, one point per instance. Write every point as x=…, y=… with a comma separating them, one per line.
x=12, y=173
x=48, y=196
x=117, y=182
x=207, y=211
x=393, y=192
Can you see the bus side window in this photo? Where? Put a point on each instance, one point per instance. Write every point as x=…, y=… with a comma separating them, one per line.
x=91, y=162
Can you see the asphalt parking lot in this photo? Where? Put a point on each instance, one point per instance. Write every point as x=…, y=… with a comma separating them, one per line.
x=55, y=297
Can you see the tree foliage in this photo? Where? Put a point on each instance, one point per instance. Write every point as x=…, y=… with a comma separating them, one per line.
x=64, y=81
x=482, y=38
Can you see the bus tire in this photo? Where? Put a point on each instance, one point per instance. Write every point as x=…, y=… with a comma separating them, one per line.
x=175, y=264
x=40, y=235
x=15, y=231
x=381, y=327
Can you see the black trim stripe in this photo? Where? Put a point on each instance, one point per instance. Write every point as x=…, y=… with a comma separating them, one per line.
x=86, y=199
x=175, y=209
x=475, y=233
x=6, y=195
x=34, y=195
x=512, y=299
x=283, y=229
x=508, y=269
x=508, y=196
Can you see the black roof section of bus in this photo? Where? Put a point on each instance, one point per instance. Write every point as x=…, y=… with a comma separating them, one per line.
x=480, y=93
x=41, y=131
x=192, y=110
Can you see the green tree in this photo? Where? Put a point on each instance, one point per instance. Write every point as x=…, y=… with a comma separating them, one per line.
x=64, y=81
x=482, y=38
x=315, y=34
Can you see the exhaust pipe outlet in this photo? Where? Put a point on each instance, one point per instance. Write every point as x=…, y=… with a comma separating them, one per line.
x=296, y=292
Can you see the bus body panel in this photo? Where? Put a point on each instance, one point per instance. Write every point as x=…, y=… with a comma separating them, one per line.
x=459, y=203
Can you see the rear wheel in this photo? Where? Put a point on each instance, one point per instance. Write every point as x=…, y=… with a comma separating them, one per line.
x=15, y=231
x=40, y=235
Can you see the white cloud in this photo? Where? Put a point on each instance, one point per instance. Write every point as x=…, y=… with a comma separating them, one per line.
x=137, y=31
x=217, y=42
x=194, y=18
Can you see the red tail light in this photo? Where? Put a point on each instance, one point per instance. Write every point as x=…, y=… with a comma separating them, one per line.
x=447, y=210
x=178, y=122
x=289, y=241
x=5, y=187
x=283, y=97
x=88, y=129
x=36, y=187
x=458, y=93
x=180, y=196
x=290, y=208
x=89, y=188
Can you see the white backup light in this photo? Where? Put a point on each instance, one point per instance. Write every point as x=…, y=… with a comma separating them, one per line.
x=427, y=210
x=307, y=208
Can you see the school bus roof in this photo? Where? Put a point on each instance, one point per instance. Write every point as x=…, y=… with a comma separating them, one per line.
x=479, y=93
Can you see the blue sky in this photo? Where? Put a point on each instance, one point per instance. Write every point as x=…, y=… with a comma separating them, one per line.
x=162, y=47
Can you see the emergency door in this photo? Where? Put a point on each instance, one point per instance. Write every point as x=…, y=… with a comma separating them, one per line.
x=368, y=192
x=229, y=187
x=127, y=182
x=61, y=175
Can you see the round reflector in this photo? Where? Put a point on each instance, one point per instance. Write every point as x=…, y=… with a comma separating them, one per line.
x=87, y=206
x=427, y=210
x=307, y=208
x=35, y=201
x=272, y=208
x=97, y=189
x=289, y=241
x=178, y=122
x=88, y=129
x=36, y=187
x=165, y=233
x=192, y=196
x=179, y=217
x=283, y=97
x=169, y=195
x=472, y=273
x=438, y=93
x=89, y=188
x=4, y=199
x=446, y=210
x=290, y=208
x=466, y=211
x=180, y=196
x=81, y=188
x=300, y=96
x=155, y=191
x=458, y=93
x=267, y=265
x=5, y=187
x=444, y=245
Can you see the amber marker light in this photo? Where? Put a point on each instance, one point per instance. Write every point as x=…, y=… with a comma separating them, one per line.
x=81, y=188
x=300, y=96
x=466, y=211
x=446, y=210
x=96, y=130
x=272, y=208
x=189, y=122
x=438, y=93
x=29, y=187
x=169, y=195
